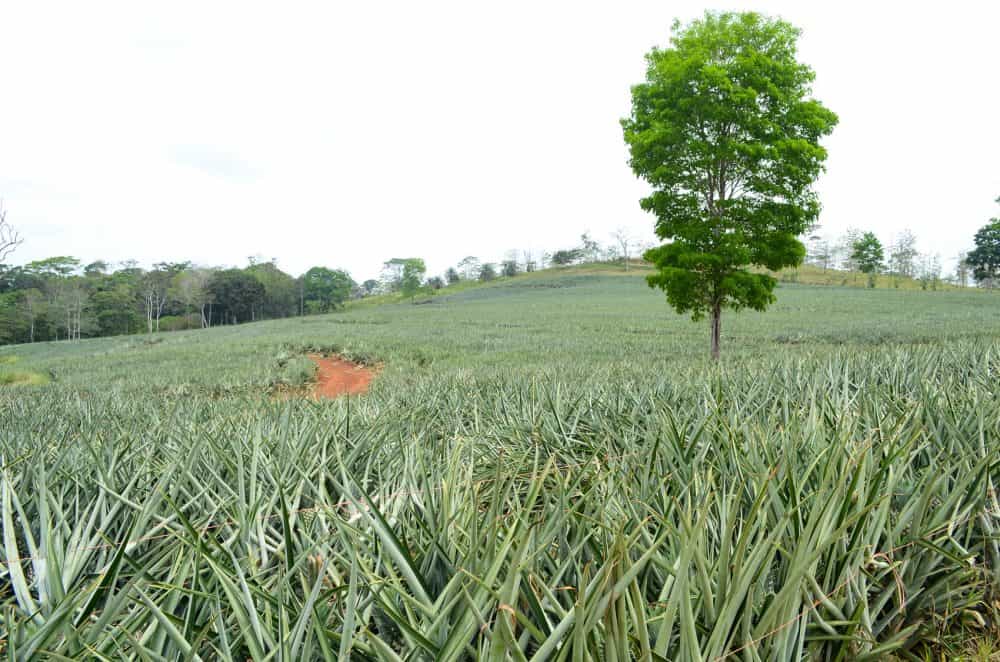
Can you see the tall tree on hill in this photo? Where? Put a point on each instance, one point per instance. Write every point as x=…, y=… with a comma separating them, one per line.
x=624, y=241
x=902, y=255
x=566, y=257
x=868, y=255
x=325, y=289
x=845, y=248
x=487, y=273
x=413, y=277
x=529, y=261
x=392, y=274
x=820, y=252
x=469, y=267
x=590, y=250
x=962, y=269
x=190, y=287
x=156, y=289
x=725, y=131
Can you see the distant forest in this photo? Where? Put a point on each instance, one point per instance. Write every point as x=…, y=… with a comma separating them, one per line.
x=60, y=298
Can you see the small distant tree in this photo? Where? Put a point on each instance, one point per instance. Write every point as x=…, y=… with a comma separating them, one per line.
x=984, y=259
x=33, y=305
x=392, y=274
x=623, y=240
x=902, y=256
x=563, y=258
x=413, y=276
x=190, y=287
x=487, y=273
x=469, y=267
x=96, y=269
x=527, y=258
x=70, y=298
x=435, y=282
x=509, y=268
x=818, y=248
x=590, y=250
x=9, y=238
x=962, y=269
x=929, y=273
x=845, y=248
x=868, y=255
x=369, y=286
x=325, y=289
x=452, y=276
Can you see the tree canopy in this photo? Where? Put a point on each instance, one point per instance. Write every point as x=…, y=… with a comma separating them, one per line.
x=725, y=131
x=984, y=259
x=868, y=254
x=412, y=276
x=325, y=289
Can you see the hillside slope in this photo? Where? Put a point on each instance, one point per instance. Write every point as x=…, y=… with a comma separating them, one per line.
x=554, y=322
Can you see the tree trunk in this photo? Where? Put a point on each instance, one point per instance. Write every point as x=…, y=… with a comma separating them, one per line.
x=716, y=329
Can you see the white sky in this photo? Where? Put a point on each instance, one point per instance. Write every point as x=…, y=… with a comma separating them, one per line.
x=346, y=133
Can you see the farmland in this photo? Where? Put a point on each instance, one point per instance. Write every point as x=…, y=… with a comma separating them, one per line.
x=547, y=467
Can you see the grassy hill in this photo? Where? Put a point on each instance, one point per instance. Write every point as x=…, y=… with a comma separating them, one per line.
x=547, y=467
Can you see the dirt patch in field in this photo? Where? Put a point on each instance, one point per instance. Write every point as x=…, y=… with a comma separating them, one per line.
x=336, y=377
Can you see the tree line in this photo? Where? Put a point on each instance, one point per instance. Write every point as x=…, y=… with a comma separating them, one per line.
x=899, y=258
x=59, y=298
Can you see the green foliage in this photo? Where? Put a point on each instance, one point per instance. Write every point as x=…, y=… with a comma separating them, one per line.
x=115, y=310
x=726, y=133
x=566, y=257
x=54, y=266
x=281, y=291
x=412, y=277
x=236, y=295
x=179, y=322
x=487, y=273
x=867, y=254
x=21, y=378
x=985, y=257
x=325, y=289
x=521, y=487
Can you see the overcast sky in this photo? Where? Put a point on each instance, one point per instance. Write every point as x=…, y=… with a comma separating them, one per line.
x=347, y=133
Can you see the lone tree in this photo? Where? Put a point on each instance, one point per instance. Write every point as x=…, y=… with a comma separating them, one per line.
x=9, y=238
x=413, y=275
x=726, y=133
x=984, y=259
x=324, y=289
x=867, y=253
x=624, y=240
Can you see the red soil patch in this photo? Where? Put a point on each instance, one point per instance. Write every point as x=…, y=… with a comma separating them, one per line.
x=336, y=377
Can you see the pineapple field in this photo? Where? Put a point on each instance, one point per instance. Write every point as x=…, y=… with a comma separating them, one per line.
x=544, y=468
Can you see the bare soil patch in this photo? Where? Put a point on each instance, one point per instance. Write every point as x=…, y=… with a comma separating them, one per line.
x=336, y=376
